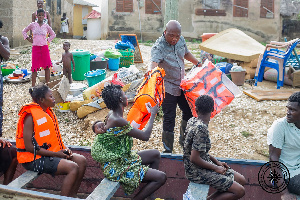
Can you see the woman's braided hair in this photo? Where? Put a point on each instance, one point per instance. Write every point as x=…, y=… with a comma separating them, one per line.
x=205, y=104
x=38, y=92
x=111, y=95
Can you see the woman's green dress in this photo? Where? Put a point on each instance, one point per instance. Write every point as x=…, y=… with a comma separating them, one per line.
x=112, y=150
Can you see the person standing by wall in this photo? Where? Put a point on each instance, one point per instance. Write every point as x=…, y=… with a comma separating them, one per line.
x=47, y=19
x=169, y=52
x=64, y=25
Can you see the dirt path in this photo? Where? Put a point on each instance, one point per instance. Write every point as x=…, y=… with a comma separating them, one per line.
x=239, y=131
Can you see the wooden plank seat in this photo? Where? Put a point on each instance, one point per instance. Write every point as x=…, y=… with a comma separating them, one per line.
x=7, y=192
x=104, y=191
x=24, y=179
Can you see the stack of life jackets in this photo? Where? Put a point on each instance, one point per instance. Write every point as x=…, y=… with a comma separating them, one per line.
x=206, y=80
x=151, y=91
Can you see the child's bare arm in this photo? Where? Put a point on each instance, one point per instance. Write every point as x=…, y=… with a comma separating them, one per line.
x=60, y=60
x=72, y=61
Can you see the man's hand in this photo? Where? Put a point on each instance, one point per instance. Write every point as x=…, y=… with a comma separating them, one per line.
x=4, y=142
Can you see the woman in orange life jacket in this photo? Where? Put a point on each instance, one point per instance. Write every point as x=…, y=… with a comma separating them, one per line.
x=39, y=144
x=113, y=143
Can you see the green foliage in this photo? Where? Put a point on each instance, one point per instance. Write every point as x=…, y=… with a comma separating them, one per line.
x=196, y=41
x=56, y=40
x=246, y=134
x=25, y=51
x=263, y=43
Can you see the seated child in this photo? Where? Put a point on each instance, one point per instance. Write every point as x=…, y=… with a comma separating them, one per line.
x=67, y=58
x=113, y=143
x=201, y=167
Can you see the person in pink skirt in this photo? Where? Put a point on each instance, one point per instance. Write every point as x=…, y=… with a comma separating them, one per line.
x=40, y=49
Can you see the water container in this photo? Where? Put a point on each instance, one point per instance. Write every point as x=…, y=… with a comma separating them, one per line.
x=95, y=76
x=113, y=64
x=82, y=64
x=101, y=64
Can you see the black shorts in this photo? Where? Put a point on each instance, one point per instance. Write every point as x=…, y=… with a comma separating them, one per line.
x=49, y=166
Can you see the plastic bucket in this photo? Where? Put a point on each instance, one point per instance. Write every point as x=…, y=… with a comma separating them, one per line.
x=206, y=36
x=238, y=78
x=95, y=76
x=98, y=64
x=63, y=107
x=82, y=64
x=113, y=64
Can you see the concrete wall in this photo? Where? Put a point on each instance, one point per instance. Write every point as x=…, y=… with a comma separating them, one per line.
x=261, y=29
x=193, y=26
x=104, y=19
x=6, y=13
x=15, y=15
x=125, y=22
x=77, y=20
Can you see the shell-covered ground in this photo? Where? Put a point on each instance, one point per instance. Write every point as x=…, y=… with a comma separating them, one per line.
x=239, y=131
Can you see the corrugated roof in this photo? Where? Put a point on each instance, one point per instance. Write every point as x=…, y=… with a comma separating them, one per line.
x=92, y=15
x=84, y=3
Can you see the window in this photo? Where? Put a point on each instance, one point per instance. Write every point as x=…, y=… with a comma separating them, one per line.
x=124, y=5
x=58, y=9
x=267, y=9
x=210, y=8
x=240, y=8
x=211, y=4
x=85, y=11
x=153, y=6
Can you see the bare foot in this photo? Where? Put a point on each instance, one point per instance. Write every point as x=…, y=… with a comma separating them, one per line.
x=288, y=196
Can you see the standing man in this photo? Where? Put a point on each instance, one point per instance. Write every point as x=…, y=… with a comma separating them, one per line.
x=8, y=153
x=169, y=52
x=284, y=145
x=47, y=19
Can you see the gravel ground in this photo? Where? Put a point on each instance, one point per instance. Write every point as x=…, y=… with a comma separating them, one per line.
x=239, y=131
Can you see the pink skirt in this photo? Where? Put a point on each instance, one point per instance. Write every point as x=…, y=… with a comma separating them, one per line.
x=40, y=58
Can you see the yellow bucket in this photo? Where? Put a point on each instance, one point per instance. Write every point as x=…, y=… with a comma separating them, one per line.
x=63, y=107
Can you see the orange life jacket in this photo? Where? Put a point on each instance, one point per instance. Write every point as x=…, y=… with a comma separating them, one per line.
x=151, y=91
x=207, y=81
x=46, y=131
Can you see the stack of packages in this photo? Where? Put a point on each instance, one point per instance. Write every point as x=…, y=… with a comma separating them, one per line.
x=130, y=78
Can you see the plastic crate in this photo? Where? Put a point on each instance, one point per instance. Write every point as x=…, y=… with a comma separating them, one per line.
x=293, y=62
x=127, y=58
